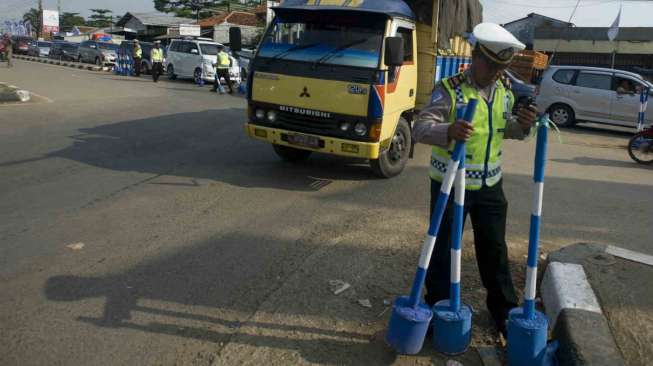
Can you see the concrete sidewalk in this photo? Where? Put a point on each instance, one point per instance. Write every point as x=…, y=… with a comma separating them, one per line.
x=600, y=301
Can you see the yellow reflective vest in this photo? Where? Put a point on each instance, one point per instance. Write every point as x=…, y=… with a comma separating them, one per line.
x=483, y=160
x=156, y=55
x=223, y=60
x=138, y=52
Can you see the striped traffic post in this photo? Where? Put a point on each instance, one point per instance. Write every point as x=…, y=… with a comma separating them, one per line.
x=452, y=323
x=643, y=103
x=527, y=327
x=410, y=318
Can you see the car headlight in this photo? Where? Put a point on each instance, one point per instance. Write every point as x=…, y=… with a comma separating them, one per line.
x=272, y=116
x=360, y=129
x=260, y=114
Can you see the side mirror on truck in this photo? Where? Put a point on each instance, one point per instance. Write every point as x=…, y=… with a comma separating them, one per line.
x=235, y=39
x=394, y=51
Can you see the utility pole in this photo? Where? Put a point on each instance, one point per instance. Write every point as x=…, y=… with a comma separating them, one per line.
x=40, y=25
x=59, y=11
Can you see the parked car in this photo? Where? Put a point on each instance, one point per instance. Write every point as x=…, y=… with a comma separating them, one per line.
x=194, y=58
x=99, y=53
x=577, y=93
x=127, y=47
x=64, y=51
x=521, y=89
x=39, y=49
x=21, y=44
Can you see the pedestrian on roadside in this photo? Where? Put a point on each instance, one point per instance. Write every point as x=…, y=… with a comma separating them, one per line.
x=8, y=49
x=137, y=56
x=156, y=57
x=485, y=202
x=222, y=70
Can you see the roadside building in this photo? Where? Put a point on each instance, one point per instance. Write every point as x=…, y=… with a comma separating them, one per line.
x=590, y=46
x=524, y=28
x=148, y=26
x=218, y=26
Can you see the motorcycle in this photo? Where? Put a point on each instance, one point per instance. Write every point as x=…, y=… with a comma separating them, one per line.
x=640, y=146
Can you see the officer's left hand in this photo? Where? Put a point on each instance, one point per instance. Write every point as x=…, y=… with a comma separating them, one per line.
x=526, y=116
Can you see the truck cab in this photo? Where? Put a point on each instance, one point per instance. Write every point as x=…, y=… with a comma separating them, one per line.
x=336, y=77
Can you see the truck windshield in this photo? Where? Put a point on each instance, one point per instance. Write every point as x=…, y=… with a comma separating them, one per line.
x=319, y=41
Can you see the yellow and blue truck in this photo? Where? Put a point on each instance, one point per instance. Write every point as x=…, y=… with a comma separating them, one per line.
x=348, y=77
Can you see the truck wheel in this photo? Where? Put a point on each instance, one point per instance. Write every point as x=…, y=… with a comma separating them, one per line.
x=393, y=161
x=291, y=154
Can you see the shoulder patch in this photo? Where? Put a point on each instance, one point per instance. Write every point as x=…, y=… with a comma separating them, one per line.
x=506, y=82
x=456, y=80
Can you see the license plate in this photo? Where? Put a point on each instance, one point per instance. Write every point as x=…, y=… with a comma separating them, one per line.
x=304, y=140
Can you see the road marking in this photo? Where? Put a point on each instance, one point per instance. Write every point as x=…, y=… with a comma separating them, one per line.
x=630, y=255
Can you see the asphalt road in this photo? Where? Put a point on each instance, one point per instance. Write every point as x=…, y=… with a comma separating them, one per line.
x=138, y=225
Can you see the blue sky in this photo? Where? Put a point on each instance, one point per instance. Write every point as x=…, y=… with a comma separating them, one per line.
x=591, y=13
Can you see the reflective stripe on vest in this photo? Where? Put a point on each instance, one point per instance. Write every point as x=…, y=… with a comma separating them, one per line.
x=483, y=161
x=138, y=52
x=157, y=55
x=223, y=60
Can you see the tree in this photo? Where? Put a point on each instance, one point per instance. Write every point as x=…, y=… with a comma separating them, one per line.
x=101, y=18
x=189, y=8
x=34, y=18
x=70, y=20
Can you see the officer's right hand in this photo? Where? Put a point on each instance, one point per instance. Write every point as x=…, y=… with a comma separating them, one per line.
x=460, y=130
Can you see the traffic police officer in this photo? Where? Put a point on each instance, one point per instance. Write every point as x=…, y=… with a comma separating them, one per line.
x=494, y=48
x=156, y=57
x=137, y=56
x=222, y=70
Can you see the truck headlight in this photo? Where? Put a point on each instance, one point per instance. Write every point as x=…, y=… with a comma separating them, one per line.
x=260, y=114
x=360, y=129
x=272, y=116
x=345, y=126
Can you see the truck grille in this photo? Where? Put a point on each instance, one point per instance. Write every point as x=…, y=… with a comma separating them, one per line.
x=308, y=124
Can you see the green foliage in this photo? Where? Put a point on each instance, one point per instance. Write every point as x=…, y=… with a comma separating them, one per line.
x=69, y=20
x=33, y=17
x=101, y=18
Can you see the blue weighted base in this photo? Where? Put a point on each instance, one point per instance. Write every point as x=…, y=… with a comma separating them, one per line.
x=452, y=331
x=526, y=338
x=408, y=326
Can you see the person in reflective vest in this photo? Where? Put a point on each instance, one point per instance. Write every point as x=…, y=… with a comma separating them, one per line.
x=222, y=70
x=156, y=57
x=437, y=125
x=137, y=56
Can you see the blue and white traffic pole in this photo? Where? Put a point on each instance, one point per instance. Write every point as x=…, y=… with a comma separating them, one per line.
x=452, y=320
x=643, y=103
x=411, y=318
x=527, y=327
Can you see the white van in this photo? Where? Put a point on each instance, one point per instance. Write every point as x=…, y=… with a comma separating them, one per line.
x=589, y=94
x=194, y=59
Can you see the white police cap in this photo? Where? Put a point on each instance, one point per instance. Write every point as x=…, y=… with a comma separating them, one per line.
x=496, y=42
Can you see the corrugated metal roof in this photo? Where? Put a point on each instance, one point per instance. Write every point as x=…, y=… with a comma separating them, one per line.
x=155, y=18
x=594, y=33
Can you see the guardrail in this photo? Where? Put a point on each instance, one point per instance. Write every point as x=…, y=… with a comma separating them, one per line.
x=72, y=64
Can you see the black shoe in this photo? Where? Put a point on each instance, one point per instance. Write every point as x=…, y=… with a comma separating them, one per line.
x=231, y=91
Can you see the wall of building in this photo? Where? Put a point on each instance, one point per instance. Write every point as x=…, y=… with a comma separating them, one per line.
x=524, y=29
x=249, y=33
x=583, y=46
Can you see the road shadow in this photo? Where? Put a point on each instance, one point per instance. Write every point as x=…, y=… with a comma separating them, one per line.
x=162, y=296
x=587, y=161
x=209, y=144
x=597, y=129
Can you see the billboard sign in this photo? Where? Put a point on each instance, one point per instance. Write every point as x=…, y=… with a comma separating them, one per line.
x=50, y=21
x=184, y=30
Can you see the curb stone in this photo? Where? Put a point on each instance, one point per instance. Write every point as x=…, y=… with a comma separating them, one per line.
x=574, y=312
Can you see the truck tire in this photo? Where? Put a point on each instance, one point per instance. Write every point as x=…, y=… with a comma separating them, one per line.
x=393, y=161
x=291, y=154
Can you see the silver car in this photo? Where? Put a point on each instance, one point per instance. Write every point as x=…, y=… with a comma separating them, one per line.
x=574, y=94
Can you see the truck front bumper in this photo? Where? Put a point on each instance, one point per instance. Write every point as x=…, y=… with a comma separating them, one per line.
x=329, y=145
